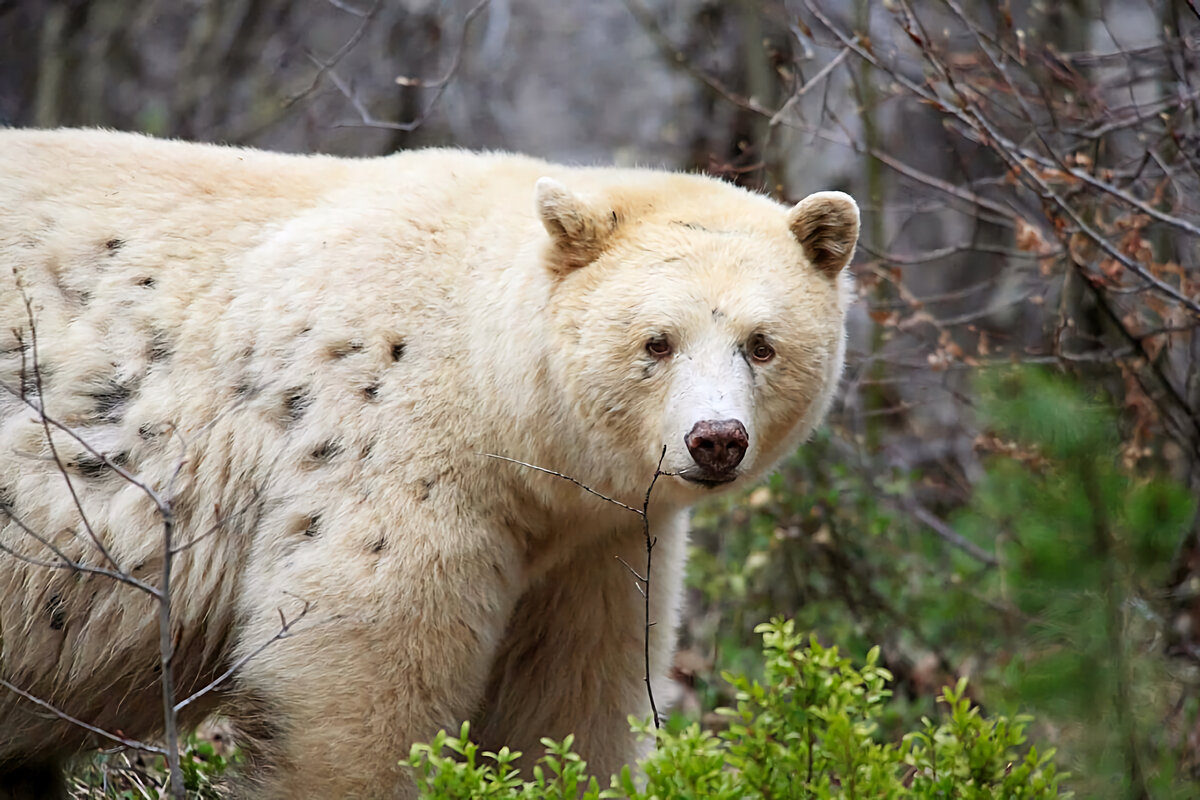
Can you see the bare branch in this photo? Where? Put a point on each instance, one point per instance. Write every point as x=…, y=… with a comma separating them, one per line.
x=285, y=628
x=131, y=743
x=586, y=488
x=948, y=534
x=326, y=66
x=65, y=561
x=643, y=582
x=367, y=119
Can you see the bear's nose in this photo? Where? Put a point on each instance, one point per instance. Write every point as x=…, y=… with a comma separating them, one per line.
x=717, y=445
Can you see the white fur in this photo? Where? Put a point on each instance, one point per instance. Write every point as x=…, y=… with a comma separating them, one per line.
x=314, y=359
x=710, y=381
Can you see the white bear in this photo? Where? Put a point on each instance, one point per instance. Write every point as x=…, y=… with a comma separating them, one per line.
x=313, y=361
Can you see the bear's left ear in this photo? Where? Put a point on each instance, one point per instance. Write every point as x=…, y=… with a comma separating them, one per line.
x=577, y=228
x=826, y=225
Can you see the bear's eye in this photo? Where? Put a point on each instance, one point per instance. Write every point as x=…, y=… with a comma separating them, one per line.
x=658, y=347
x=760, y=350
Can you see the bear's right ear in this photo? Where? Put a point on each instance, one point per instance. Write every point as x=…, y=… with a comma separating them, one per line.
x=577, y=228
x=826, y=225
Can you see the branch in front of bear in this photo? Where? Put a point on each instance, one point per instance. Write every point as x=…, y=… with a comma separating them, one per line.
x=132, y=744
x=285, y=630
x=41, y=409
x=580, y=484
x=31, y=376
x=642, y=582
x=29, y=387
x=65, y=561
x=30, y=390
x=161, y=593
x=645, y=581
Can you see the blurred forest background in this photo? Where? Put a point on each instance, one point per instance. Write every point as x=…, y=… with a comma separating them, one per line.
x=1006, y=489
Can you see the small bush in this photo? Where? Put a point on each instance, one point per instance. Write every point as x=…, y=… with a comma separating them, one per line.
x=130, y=775
x=809, y=729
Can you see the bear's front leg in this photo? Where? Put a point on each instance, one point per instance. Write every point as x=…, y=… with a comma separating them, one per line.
x=395, y=645
x=573, y=658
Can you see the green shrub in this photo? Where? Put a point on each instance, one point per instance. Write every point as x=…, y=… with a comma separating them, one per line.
x=809, y=729
x=129, y=775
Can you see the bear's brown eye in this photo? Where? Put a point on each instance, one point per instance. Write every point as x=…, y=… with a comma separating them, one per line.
x=658, y=347
x=760, y=351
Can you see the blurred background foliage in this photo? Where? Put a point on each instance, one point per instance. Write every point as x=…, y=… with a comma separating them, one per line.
x=1052, y=602
x=1007, y=487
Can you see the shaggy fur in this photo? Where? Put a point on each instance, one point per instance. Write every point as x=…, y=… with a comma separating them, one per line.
x=311, y=358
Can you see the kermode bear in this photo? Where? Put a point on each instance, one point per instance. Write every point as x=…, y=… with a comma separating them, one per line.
x=313, y=361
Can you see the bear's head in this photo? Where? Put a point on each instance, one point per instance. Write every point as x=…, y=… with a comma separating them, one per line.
x=696, y=317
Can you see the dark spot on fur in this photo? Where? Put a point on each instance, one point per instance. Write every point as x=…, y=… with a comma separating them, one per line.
x=146, y=283
x=114, y=245
x=313, y=528
x=160, y=346
x=85, y=297
x=149, y=431
x=648, y=370
x=371, y=392
x=295, y=401
x=378, y=545
x=111, y=399
x=92, y=466
x=89, y=466
x=365, y=452
x=427, y=485
x=7, y=501
x=58, y=617
x=345, y=348
x=718, y=313
x=397, y=351
x=326, y=451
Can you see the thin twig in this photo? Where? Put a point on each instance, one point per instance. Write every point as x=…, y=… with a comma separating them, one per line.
x=948, y=534
x=67, y=562
x=822, y=73
x=41, y=407
x=1016, y=157
x=642, y=581
x=131, y=743
x=284, y=631
x=162, y=593
x=650, y=542
x=326, y=66
x=367, y=119
x=583, y=486
x=167, y=657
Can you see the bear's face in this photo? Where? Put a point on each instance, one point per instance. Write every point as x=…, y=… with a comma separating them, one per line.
x=720, y=344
